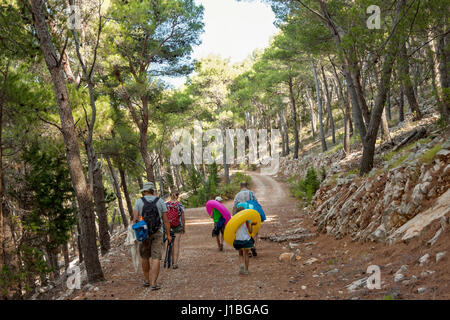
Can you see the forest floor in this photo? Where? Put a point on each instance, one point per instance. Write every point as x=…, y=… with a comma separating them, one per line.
x=206, y=273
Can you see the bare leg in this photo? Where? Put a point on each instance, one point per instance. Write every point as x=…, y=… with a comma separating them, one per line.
x=146, y=268
x=155, y=270
x=176, y=249
x=172, y=253
x=218, y=241
x=246, y=259
x=241, y=257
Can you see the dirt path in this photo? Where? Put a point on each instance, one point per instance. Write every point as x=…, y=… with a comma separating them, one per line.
x=206, y=273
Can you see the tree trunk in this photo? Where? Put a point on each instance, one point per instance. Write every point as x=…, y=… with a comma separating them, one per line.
x=356, y=76
x=94, y=168
x=347, y=119
x=383, y=87
x=385, y=135
x=319, y=103
x=401, y=107
x=294, y=118
x=111, y=229
x=347, y=64
x=2, y=100
x=226, y=170
x=286, y=132
x=80, y=249
x=174, y=176
x=65, y=251
x=388, y=107
x=146, y=156
x=123, y=183
x=283, y=142
x=313, y=116
x=140, y=182
x=82, y=191
x=330, y=112
x=407, y=83
x=441, y=50
x=115, y=183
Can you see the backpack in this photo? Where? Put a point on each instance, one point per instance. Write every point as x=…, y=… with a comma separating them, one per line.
x=150, y=214
x=256, y=206
x=173, y=213
x=141, y=230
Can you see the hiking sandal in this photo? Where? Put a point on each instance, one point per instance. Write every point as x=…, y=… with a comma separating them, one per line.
x=154, y=288
x=146, y=284
x=244, y=272
x=175, y=266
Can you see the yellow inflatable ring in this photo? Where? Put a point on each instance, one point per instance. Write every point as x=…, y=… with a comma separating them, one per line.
x=237, y=220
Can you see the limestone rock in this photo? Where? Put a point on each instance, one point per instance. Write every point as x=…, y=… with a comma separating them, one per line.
x=421, y=290
x=398, y=277
x=440, y=255
x=443, y=153
x=287, y=257
x=435, y=237
x=358, y=284
x=336, y=270
x=380, y=233
x=311, y=261
x=424, y=259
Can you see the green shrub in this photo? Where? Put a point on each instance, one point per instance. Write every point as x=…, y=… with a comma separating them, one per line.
x=194, y=180
x=429, y=155
x=323, y=174
x=306, y=188
x=214, y=187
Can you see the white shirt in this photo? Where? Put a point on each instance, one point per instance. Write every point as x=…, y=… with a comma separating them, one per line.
x=242, y=233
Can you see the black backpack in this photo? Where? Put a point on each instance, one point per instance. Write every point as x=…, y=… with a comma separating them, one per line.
x=150, y=214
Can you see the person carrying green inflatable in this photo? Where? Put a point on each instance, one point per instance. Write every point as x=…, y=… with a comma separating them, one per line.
x=219, y=225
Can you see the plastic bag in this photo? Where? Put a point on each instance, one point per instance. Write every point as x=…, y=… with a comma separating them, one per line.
x=134, y=248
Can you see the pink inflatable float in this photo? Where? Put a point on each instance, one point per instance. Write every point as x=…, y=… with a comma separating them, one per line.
x=213, y=204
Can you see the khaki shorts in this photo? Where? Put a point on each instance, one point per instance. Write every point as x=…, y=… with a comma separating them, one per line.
x=152, y=247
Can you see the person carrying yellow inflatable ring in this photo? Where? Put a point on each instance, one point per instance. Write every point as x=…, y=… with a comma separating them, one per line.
x=243, y=242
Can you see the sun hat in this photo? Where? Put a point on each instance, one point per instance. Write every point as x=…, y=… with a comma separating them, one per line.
x=219, y=198
x=148, y=186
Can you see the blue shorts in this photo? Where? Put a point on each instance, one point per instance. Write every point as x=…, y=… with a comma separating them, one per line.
x=243, y=244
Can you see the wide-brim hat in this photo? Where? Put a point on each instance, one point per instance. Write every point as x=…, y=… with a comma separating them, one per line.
x=148, y=186
x=219, y=198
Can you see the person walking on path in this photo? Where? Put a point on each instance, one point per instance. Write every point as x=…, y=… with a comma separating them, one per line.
x=243, y=243
x=154, y=212
x=245, y=195
x=219, y=225
x=175, y=213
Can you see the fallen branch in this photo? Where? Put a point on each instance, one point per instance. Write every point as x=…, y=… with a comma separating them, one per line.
x=415, y=135
x=292, y=237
